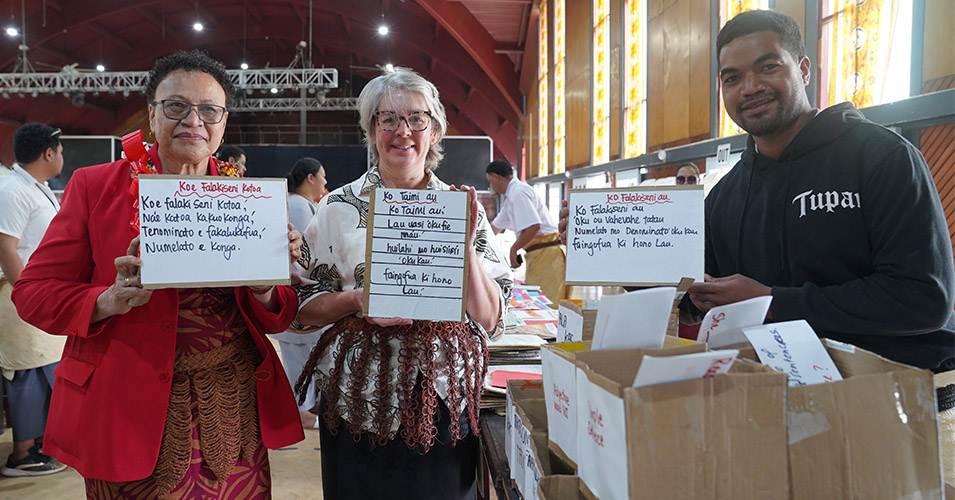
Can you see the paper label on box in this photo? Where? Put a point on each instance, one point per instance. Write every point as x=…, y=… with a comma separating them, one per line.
x=601, y=440
x=521, y=438
x=560, y=388
x=532, y=475
x=570, y=325
x=793, y=348
x=634, y=320
x=655, y=370
x=723, y=325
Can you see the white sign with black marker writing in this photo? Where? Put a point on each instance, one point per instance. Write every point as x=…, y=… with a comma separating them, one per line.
x=793, y=348
x=200, y=231
x=635, y=236
x=416, y=254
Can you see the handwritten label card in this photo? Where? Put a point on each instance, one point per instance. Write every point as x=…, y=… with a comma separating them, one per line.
x=635, y=236
x=656, y=370
x=634, y=320
x=416, y=254
x=570, y=322
x=723, y=325
x=199, y=231
x=793, y=348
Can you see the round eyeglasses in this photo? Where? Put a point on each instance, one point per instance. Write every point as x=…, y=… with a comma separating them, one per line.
x=690, y=179
x=417, y=121
x=178, y=110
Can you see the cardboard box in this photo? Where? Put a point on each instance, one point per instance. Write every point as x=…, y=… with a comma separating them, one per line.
x=563, y=487
x=872, y=435
x=560, y=391
x=518, y=393
x=558, y=362
x=531, y=425
x=721, y=437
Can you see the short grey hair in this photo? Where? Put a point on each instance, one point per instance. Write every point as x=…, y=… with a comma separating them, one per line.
x=407, y=80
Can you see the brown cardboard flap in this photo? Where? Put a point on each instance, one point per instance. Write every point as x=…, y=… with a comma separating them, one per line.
x=618, y=367
x=872, y=435
x=718, y=437
x=533, y=412
x=525, y=389
x=560, y=487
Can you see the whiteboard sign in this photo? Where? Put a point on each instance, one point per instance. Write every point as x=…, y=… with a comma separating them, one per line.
x=200, y=231
x=416, y=254
x=635, y=236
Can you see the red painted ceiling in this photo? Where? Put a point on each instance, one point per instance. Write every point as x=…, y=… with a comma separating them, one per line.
x=472, y=50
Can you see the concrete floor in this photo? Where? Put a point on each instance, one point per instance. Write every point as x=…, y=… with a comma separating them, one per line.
x=296, y=475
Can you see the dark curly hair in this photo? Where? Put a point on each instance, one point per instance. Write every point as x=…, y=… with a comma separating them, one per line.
x=754, y=21
x=32, y=140
x=191, y=60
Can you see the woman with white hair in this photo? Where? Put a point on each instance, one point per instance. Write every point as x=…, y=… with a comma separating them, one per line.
x=400, y=398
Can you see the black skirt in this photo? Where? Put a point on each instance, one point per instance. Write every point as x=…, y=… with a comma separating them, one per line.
x=358, y=468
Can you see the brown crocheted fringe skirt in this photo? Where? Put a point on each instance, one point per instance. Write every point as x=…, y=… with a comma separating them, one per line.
x=212, y=411
x=401, y=366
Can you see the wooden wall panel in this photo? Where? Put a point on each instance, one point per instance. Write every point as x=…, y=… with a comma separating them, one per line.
x=678, y=44
x=578, y=73
x=938, y=147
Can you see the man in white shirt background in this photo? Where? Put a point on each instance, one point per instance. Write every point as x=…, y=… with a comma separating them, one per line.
x=28, y=356
x=526, y=215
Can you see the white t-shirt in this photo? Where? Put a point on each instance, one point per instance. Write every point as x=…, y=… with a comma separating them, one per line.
x=522, y=209
x=300, y=211
x=26, y=209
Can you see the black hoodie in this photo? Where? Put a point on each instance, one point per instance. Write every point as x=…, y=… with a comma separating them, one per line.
x=847, y=228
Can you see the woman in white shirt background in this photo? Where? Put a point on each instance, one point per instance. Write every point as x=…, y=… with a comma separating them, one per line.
x=306, y=184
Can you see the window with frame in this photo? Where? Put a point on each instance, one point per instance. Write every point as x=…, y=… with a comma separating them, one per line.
x=635, y=110
x=543, y=100
x=865, y=51
x=601, y=83
x=728, y=10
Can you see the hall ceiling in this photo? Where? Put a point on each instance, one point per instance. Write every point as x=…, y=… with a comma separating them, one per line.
x=471, y=49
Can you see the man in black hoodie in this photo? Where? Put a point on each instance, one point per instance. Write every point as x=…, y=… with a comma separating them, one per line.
x=834, y=216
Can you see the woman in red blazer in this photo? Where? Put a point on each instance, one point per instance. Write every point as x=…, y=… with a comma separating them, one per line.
x=152, y=380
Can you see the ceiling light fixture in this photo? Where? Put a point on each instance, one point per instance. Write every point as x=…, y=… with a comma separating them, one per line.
x=197, y=26
x=382, y=30
x=100, y=68
x=244, y=66
x=11, y=31
x=274, y=90
x=390, y=68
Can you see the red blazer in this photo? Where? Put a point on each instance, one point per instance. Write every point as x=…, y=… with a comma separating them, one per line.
x=112, y=386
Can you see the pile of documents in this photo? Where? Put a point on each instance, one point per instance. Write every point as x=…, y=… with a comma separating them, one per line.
x=516, y=355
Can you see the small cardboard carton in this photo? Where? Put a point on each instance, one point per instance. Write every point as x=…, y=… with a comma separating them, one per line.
x=558, y=362
x=720, y=437
x=872, y=435
x=531, y=425
x=518, y=391
x=563, y=487
x=560, y=391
